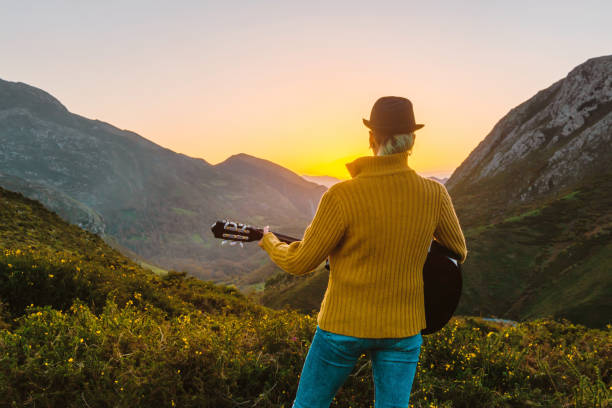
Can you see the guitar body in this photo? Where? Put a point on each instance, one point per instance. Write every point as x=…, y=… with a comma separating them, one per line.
x=442, y=284
x=441, y=275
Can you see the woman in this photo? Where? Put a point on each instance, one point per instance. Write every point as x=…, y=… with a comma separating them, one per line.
x=376, y=229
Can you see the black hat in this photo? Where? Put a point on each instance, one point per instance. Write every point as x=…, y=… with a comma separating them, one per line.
x=392, y=114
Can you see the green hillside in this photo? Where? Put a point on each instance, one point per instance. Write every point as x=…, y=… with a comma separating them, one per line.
x=551, y=260
x=83, y=326
x=303, y=293
x=67, y=262
x=534, y=198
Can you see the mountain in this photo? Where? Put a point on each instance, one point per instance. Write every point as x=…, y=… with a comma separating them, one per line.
x=326, y=181
x=152, y=201
x=534, y=201
x=545, y=146
x=534, y=198
x=302, y=194
x=329, y=181
x=439, y=180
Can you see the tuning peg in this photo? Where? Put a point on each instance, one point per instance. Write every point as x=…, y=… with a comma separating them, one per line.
x=241, y=245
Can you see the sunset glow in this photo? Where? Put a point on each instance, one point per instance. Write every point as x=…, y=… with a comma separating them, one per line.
x=290, y=82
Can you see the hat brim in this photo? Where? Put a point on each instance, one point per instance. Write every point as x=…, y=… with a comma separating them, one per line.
x=370, y=126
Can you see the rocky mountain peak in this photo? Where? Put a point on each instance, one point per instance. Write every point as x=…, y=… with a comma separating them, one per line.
x=20, y=95
x=546, y=144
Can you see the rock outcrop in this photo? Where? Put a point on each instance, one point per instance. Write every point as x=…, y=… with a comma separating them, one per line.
x=543, y=147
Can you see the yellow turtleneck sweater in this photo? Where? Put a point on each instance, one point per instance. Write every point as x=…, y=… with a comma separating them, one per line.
x=376, y=229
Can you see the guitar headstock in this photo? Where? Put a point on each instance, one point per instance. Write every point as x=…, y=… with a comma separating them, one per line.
x=234, y=231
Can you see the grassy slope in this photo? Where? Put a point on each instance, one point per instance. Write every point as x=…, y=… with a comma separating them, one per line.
x=303, y=293
x=81, y=325
x=44, y=238
x=551, y=261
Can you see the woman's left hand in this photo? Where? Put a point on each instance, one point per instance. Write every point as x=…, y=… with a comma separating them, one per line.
x=266, y=229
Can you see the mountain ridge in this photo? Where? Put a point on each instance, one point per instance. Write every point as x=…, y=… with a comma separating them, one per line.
x=288, y=183
x=546, y=145
x=153, y=201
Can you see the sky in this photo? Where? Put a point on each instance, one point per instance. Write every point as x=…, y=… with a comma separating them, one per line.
x=290, y=81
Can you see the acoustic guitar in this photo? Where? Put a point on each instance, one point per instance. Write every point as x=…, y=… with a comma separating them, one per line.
x=442, y=278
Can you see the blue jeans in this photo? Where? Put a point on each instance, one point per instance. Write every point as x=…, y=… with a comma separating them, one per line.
x=331, y=359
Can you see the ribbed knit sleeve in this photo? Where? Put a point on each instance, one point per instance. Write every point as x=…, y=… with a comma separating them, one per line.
x=448, y=231
x=320, y=237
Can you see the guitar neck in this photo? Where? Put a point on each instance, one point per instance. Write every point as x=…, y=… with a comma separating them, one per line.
x=281, y=237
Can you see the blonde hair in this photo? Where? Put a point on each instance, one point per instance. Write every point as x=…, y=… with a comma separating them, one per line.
x=396, y=144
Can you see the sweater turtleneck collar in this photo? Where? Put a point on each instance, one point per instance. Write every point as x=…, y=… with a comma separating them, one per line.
x=375, y=165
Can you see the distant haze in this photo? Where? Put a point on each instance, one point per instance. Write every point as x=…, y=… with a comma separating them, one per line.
x=291, y=81
x=328, y=181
